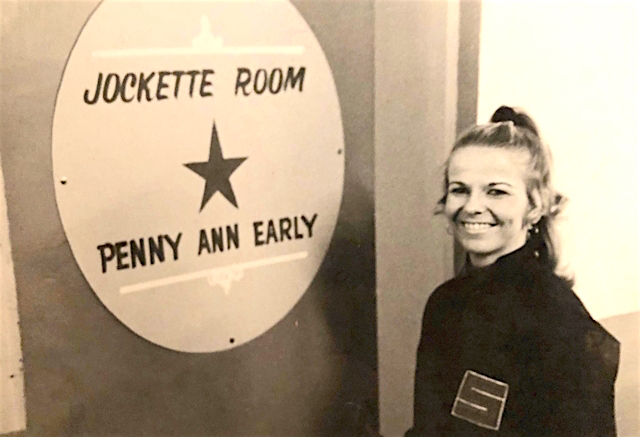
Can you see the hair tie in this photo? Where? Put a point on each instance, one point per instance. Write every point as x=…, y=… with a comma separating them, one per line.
x=504, y=113
x=519, y=119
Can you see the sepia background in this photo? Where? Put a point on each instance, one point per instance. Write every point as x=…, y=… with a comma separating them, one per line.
x=410, y=75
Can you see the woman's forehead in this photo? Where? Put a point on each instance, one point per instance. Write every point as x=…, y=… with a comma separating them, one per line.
x=488, y=165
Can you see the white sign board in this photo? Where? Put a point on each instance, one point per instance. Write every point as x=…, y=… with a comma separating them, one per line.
x=198, y=160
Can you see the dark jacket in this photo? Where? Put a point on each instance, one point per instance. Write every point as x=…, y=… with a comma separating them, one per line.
x=509, y=350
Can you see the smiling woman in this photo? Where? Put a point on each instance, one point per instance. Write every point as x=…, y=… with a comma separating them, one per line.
x=506, y=345
x=487, y=201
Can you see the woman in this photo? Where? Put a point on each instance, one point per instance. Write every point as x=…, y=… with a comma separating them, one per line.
x=507, y=348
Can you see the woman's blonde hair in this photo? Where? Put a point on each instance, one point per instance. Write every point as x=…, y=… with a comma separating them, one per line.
x=513, y=129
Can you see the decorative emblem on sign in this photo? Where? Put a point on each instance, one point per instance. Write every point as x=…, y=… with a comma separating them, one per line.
x=198, y=160
x=216, y=172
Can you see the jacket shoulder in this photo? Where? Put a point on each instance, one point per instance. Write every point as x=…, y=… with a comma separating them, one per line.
x=442, y=301
x=446, y=293
x=568, y=319
x=563, y=303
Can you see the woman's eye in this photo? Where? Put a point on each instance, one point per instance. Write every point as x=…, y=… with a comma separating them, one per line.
x=458, y=190
x=496, y=192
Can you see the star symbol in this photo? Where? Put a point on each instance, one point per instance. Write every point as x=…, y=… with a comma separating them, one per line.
x=216, y=172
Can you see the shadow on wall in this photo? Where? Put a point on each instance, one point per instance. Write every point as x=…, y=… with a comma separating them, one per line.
x=626, y=328
x=350, y=314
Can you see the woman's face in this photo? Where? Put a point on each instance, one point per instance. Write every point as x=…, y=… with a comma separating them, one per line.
x=487, y=201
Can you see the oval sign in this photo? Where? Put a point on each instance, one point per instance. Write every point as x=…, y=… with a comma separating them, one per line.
x=198, y=165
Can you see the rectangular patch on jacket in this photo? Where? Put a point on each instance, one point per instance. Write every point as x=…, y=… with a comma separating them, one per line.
x=480, y=400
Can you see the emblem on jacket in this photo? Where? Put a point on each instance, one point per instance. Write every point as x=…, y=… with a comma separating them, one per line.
x=480, y=400
x=198, y=160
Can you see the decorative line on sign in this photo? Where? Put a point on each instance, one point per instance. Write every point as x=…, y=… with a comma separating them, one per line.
x=223, y=276
x=203, y=44
x=181, y=51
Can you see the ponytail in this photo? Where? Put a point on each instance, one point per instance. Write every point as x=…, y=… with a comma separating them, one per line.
x=515, y=130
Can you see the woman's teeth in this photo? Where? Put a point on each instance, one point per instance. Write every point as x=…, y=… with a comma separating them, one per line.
x=476, y=227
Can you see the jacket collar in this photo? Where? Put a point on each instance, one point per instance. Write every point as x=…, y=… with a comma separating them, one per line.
x=510, y=262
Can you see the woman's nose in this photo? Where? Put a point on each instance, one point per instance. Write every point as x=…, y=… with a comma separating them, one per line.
x=474, y=204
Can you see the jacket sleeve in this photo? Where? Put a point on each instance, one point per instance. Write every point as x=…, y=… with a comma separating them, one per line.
x=581, y=371
x=588, y=397
x=430, y=391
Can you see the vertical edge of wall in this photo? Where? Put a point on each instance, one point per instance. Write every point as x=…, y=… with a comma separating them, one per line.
x=415, y=65
x=13, y=416
x=468, y=70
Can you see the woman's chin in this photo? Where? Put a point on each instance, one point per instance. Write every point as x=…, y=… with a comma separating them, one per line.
x=478, y=247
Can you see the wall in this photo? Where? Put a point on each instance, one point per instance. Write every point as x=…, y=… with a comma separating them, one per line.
x=574, y=67
x=12, y=403
x=314, y=373
x=415, y=64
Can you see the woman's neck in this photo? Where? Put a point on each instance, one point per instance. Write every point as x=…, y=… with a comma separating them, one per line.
x=485, y=259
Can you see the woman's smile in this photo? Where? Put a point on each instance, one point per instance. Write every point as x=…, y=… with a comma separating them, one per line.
x=476, y=227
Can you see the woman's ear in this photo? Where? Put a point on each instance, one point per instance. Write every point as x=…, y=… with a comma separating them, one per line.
x=535, y=208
